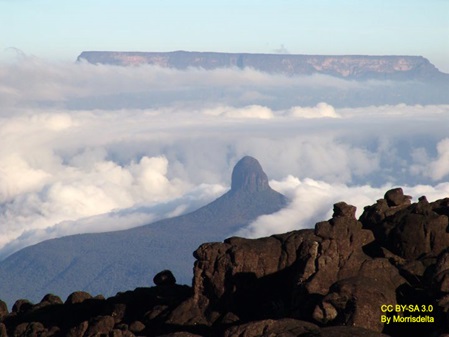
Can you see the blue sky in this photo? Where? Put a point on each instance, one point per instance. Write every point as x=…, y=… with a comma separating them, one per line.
x=62, y=29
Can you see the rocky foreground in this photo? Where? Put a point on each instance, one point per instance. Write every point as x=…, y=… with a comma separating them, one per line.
x=386, y=274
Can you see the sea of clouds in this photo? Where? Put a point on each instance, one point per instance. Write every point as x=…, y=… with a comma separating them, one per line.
x=88, y=148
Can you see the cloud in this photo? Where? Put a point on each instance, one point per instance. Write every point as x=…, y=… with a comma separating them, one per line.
x=436, y=168
x=78, y=154
x=252, y=111
x=32, y=82
x=88, y=186
x=312, y=200
x=320, y=110
x=115, y=219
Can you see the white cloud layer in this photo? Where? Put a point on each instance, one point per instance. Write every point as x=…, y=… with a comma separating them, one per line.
x=312, y=200
x=319, y=111
x=78, y=156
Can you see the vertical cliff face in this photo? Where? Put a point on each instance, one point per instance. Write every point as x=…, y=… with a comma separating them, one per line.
x=347, y=66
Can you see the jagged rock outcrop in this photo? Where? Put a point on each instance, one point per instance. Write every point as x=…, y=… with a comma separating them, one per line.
x=345, y=66
x=78, y=297
x=340, y=273
x=335, y=280
x=409, y=231
x=290, y=274
x=340, y=251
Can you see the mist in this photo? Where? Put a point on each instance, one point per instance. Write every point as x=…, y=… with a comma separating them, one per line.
x=98, y=148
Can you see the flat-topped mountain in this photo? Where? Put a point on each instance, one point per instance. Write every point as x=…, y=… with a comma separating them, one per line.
x=115, y=261
x=345, y=66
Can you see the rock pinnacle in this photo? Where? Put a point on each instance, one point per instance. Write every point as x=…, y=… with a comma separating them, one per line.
x=249, y=176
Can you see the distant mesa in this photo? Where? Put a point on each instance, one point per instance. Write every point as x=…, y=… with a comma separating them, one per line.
x=359, y=67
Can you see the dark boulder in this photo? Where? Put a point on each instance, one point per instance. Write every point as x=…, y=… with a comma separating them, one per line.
x=339, y=253
x=78, y=297
x=3, y=331
x=78, y=330
x=411, y=231
x=396, y=197
x=32, y=329
x=136, y=327
x=373, y=216
x=164, y=278
x=100, y=325
x=21, y=306
x=51, y=299
x=48, y=300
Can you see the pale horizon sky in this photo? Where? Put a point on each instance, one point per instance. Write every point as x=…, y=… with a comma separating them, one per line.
x=62, y=30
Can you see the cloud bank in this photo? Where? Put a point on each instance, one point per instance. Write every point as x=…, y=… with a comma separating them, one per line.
x=312, y=200
x=95, y=148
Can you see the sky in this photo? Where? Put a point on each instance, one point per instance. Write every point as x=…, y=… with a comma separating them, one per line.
x=61, y=30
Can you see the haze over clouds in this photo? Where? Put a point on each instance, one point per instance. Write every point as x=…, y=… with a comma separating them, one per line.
x=94, y=148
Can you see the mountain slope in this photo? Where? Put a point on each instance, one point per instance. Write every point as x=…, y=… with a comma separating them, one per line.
x=110, y=262
x=339, y=80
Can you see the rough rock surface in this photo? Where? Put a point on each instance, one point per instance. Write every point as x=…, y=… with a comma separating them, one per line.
x=331, y=281
x=409, y=231
x=363, y=296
